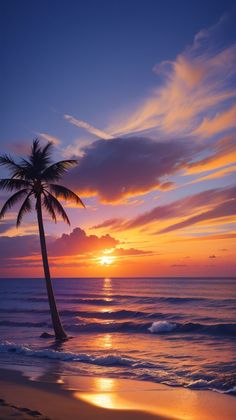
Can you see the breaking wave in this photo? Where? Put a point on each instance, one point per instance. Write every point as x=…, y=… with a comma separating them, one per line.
x=135, y=327
x=122, y=365
x=107, y=360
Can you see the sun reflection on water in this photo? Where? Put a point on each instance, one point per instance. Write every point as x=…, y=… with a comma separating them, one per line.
x=107, y=290
x=107, y=341
x=107, y=286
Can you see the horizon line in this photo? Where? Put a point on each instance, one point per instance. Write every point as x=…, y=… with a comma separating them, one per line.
x=123, y=277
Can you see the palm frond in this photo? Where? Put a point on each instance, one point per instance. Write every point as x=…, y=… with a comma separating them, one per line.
x=40, y=157
x=57, y=207
x=56, y=170
x=35, y=146
x=12, y=201
x=30, y=170
x=47, y=150
x=16, y=170
x=25, y=208
x=63, y=192
x=49, y=207
x=11, y=184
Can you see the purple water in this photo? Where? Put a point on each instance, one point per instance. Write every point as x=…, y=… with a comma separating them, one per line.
x=180, y=332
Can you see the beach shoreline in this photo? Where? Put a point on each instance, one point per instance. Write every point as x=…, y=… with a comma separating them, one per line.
x=129, y=399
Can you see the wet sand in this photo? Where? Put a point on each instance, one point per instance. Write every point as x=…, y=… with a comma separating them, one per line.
x=115, y=399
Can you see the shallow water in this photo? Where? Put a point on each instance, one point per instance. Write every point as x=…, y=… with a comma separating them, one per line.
x=180, y=332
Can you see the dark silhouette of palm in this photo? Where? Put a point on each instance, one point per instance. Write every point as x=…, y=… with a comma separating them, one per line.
x=33, y=178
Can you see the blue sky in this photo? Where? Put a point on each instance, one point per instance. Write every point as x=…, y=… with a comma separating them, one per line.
x=88, y=59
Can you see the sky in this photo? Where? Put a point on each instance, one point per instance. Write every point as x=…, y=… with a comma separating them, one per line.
x=143, y=94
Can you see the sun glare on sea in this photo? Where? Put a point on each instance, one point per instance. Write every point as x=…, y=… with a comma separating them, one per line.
x=106, y=260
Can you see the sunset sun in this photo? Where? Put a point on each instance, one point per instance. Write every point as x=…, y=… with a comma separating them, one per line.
x=106, y=260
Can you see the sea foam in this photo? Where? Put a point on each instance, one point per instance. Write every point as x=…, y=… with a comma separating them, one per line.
x=161, y=327
x=107, y=360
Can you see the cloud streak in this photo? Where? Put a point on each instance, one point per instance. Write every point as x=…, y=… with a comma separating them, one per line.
x=222, y=210
x=218, y=154
x=88, y=127
x=55, y=140
x=204, y=206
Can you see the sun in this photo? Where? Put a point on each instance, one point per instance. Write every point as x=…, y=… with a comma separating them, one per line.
x=106, y=260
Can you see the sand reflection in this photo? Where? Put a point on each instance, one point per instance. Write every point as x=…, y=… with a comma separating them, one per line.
x=104, y=394
x=116, y=394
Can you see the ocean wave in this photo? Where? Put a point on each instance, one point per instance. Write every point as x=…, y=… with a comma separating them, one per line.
x=120, y=314
x=108, y=327
x=6, y=323
x=134, y=327
x=106, y=360
x=113, y=299
x=87, y=301
x=123, y=313
x=157, y=327
x=126, y=366
x=191, y=327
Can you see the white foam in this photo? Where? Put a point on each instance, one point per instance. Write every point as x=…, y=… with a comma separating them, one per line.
x=161, y=326
x=108, y=360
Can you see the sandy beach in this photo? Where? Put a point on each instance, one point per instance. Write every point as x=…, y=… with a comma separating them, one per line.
x=25, y=399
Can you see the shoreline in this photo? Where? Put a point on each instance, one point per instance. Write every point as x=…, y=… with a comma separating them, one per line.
x=107, y=399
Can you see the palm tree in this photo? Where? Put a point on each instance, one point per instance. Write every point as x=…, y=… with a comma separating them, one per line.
x=33, y=178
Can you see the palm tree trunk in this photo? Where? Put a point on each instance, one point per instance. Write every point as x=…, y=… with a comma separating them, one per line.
x=56, y=322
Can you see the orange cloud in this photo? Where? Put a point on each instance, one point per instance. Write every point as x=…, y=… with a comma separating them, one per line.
x=78, y=242
x=217, y=237
x=219, y=174
x=116, y=222
x=224, y=209
x=24, y=251
x=204, y=206
x=220, y=122
x=219, y=154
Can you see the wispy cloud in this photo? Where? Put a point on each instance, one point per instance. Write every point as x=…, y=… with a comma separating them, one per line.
x=115, y=222
x=205, y=206
x=214, y=237
x=222, y=210
x=88, y=127
x=222, y=121
x=48, y=137
x=191, y=90
x=218, y=154
x=218, y=174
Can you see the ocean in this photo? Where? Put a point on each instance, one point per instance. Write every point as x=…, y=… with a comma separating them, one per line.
x=175, y=331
